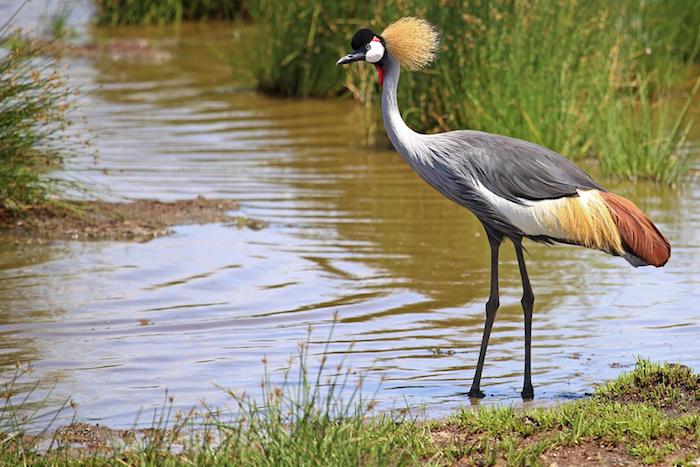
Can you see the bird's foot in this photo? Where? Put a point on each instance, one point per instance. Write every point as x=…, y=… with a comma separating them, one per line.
x=475, y=393
x=528, y=393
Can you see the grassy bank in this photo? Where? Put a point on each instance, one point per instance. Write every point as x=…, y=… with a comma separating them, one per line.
x=650, y=415
x=33, y=102
x=122, y=12
x=601, y=80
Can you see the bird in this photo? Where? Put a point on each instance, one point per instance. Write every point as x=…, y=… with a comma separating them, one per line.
x=516, y=189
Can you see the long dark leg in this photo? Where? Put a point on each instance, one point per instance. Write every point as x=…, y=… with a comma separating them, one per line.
x=491, y=308
x=528, y=302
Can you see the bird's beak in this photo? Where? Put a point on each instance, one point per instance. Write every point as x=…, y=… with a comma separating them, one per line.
x=351, y=57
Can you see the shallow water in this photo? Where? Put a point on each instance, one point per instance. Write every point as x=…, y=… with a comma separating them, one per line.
x=352, y=230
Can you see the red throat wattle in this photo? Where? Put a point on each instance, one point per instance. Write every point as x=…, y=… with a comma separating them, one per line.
x=380, y=73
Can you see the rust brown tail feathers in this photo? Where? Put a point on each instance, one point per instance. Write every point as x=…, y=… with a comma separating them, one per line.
x=640, y=236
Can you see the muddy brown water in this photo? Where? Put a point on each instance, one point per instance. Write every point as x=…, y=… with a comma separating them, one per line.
x=352, y=230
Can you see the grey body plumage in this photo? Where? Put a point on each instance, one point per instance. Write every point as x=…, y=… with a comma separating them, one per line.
x=453, y=161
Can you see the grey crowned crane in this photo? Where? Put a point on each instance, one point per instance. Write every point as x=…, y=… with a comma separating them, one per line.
x=517, y=189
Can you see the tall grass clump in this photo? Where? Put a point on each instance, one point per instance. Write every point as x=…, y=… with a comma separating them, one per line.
x=573, y=76
x=668, y=29
x=298, y=44
x=57, y=23
x=33, y=104
x=18, y=414
x=303, y=417
x=319, y=419
x=649, y=140
x=123, y=12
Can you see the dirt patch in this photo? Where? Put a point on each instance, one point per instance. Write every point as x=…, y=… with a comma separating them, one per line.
x=597, y=452
x=588, y=453
x=477, y=449
x=92, y=437
x=139, y=220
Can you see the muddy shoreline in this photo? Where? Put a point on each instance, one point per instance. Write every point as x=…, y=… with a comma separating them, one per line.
x=137, y=220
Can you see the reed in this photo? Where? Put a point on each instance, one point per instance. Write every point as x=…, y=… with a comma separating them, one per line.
x=298, y=44
x=303, y=417
x=123, y=12
x=321, y=418
x=573, y=76
x=33, y=123
x=668, y=29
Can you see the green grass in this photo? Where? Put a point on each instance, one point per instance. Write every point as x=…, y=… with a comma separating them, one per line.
x=57, y=23
x=123, y=12
x=306, y=419
x=665, y=385
x=33, y=141
x=298, y=44
x=590, y=79
x=645, y=416
x=650, y=415
x=669, y=30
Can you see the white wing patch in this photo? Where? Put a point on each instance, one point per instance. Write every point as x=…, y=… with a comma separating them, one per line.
x=533, y=218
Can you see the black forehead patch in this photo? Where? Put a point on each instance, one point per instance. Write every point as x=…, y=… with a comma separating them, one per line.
x=361, y=38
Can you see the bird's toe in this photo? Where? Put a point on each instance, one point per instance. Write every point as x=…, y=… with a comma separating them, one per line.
x=528, y=393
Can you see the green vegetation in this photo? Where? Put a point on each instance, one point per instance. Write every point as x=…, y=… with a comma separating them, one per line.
x=121, y=12
x=590, y=79
x=668, y=29
x=57, y=26
x=650, y=415
x=299, y=42
x=33, y=101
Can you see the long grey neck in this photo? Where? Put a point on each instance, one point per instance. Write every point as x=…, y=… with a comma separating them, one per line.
x=405, y=140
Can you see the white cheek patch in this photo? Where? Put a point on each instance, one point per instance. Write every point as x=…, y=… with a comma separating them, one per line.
x=375, y=52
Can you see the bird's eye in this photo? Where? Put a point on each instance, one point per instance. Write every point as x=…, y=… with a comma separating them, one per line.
x=368, y=46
